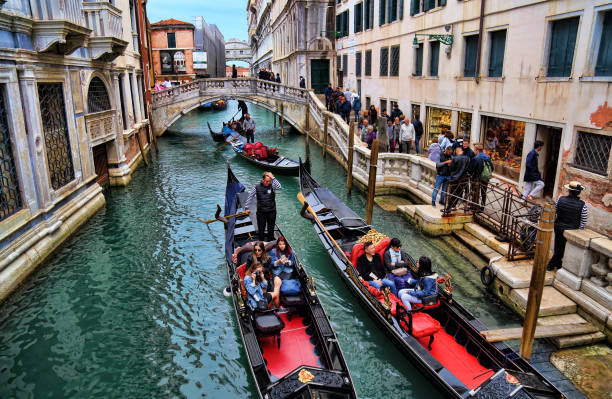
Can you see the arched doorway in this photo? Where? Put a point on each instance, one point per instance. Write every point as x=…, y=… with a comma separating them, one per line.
x=100, y=120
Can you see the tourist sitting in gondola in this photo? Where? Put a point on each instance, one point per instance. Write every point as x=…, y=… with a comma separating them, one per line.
x=256, y=287
x=260, y=256
x=371, y=268
x=282, y=259
x=425, y=287
x=396, y=263
x=227, y=130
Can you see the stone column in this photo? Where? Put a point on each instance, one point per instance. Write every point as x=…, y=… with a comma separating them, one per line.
x=135, y=98
x=127, y=100
x=115, y=148
x=455, y=123
x=475, y=132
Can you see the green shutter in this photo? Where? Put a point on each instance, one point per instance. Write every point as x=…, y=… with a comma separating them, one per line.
x=419, y=60
x=401, y=9
x=345, y=23
x=368, y=63
x=442, y=3
x=429, y=5
x=604, y=57
x=384, y=61
x=496, y=58
x=562, y=44
x=339, y=25
x=355, y=19
x=434, y=59
x=381, y=12
x=366, y=14
x=389, y=11
x=415, y=6
x=358, y=64
x=471, y=49
x=371, y=14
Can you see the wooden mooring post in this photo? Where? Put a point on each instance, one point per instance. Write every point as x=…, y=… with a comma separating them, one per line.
x=282, y=119
x=372, y=181
x=538, y=275
x=144, y=156
x=324, y=146
x=349, y=162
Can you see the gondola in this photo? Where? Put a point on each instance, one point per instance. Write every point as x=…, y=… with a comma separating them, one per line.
x=292, y=352
x=218, y=137
x=219, y=105
x=272, y=162
x=206, y=107
x=442, y=338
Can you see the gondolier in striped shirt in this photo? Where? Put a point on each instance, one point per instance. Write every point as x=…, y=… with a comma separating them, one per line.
x=571, y=213
x=265, y=192
x=249, y=128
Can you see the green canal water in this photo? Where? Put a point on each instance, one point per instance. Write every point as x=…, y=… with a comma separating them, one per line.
x=132, y=307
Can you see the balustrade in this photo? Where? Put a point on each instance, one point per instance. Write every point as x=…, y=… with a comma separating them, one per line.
x=101, y=126
x=104, y=20
x=59, y=22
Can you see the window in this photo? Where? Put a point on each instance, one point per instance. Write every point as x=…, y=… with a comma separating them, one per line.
x=368, y=12
x=97, y=97
x=603, y=67
x=55, y=131
x=383, y=105
x=358, y=63
x=358, y=16
x=434, y=58
x=345, y=67
x=496, y=57
x=368, y=63
x=418, y=58
x=592, y=152
x=171, y=40
x=10, y=195
x=381, y=12
x=395, y=61
x=471, y=49
x=419, y=6
x=562, y=43
x=368, y=102
x=342, y=24
x=384, y=61
x=391, y=10
x=339, y=62
x=359, y=88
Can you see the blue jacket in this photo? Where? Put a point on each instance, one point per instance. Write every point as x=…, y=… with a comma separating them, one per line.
x=346, y=108
x=328, y=92
x=280, y=268
x=254, y=291
x=425, y=286
x=531, y=167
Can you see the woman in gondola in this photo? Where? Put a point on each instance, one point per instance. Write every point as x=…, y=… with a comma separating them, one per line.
x=282, y=259
x=426, y=284
x=259, y=255
x=256, y=285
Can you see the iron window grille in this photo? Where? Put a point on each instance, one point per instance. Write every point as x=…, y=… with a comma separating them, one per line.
x=55, y=130
x=10, y=195
x=97, y=96
x=384, y=61
x=593, y=152
x=358, y=63
x=368, y=63
x=395, y=61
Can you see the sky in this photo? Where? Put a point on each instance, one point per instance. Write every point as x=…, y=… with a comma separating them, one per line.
x=228, y=15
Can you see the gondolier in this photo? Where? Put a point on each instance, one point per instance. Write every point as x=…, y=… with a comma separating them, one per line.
x=265, y=192
x=242, y=107
x=249, y=128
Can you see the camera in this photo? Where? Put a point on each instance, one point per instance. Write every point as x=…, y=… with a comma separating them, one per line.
x=258, y=276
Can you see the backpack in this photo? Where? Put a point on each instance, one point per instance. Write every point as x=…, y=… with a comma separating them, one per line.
x=487, y=170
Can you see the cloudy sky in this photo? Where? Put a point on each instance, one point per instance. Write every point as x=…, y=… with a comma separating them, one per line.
x=228, y=15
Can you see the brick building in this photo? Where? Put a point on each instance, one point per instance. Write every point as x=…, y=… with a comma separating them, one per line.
x=172, y=49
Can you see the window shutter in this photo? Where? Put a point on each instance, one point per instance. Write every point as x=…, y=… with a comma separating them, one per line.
x=429, y=5
x=442, y=3
x=562, y=44
x=434, y=47
x=471, y=48
x=339, y=25
x=345, y=23
x=389, y=11
x=368, y=63
x=358, y=64
x=604, y=57
x=401, y=9
x=355, y=19
x=371, y=14
x=419, y=61
x=384, y=61
x=366, y=14
x=395, y=61
x=415, y=6
x=496, y=58
x=339, y=62
x=345, y=67
x=381, y=12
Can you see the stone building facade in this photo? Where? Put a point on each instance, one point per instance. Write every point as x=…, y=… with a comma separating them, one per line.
x=209, y=52
x=294, y=38
x=172, y=48
x=71, y=109
x=505, y=74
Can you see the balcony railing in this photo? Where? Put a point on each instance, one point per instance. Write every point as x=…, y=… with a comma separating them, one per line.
x=59, y=22
x=104, y=20
x=101, y=126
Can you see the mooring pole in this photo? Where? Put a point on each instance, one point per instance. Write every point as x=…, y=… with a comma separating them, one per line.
x=274, y=121
x=538, y=275
x=144, y=156
x=372, y=181
x=349, y=162
x=324, y=146
x=282, y=119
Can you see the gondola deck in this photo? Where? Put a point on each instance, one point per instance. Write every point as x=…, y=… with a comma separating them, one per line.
x=276, y=163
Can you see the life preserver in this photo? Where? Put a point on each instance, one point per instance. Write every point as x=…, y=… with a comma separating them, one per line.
x=487, y=275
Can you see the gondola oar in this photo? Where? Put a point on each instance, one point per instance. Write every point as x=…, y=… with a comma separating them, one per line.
x=221, y=146
x=223, y=219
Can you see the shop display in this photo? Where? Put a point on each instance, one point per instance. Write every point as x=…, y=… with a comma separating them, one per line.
x=465, y=126
x=439, y=120
x=504, y=141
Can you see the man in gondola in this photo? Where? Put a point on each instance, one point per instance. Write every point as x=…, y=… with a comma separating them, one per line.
x=243, y=108
x=265, y=192
x=249, y=128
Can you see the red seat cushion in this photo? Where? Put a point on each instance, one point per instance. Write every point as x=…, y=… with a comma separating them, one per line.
x=241, y=272
x=423, y=325
x=356, y=252
x=382, y=246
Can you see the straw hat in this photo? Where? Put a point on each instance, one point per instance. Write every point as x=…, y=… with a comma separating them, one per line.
x=574, y=186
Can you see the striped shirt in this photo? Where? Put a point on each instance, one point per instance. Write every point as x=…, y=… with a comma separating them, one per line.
x=583, y=214
x=275, y=186
x=248, y=124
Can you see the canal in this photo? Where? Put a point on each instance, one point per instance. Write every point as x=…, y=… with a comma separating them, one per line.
x=132, y=306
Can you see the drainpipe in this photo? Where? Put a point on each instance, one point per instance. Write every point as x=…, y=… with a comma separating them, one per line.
x=479, y=50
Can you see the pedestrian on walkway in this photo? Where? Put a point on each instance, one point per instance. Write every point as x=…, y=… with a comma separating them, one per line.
x=234, y=72
x=356, y=105
x=345, y=110
x=418, y=133
x=372, y=115
x=458, y=173
x=249, y=128
x=302, y=82
x=395, y=112
x=533, y=178
x=571, y=214
x=363, y=130
x=442, y=175
x=406, y=136
x=278, y=79
x=483, y=169
x=328, y=96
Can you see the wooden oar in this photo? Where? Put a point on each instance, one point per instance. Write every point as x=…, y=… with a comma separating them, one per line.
x=223, y=219
x=221, y=146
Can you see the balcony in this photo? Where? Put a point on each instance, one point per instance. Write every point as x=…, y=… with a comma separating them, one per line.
x=58, y=26
x=104, y=20
x=101, y=126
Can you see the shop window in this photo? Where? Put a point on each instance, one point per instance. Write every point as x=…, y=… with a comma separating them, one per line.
x=358, y=63
x=504, y=142
x=465, y=125
x=416, y=111
x=97, y=96
x=358, y=17
x=171, y=40
x=592, y=152
x=418, y=57
x=471, y=50
x=395, y=61
x=562, y=44
x=345, y=67
x=368, y=14
x=434, y=58
x=383, y=105
x=496, y=57
x=10, y=194
x=368, y=63
x=419, y=6
x=384, y=61
x=603, y=67
x=55, y=132
x=439, y=120
x=382, y=8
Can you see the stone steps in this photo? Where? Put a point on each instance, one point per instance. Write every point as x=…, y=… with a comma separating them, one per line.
x=553, y=302
x=487, y=237
x=572, y=340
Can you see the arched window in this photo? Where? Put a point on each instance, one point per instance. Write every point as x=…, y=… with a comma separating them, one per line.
x=97, y=97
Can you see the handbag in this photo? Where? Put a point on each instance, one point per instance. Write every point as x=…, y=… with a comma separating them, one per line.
x=262, y=305
x=290, y=287
x=429, y=300
x=400, y=271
